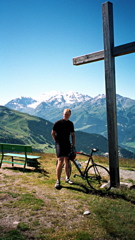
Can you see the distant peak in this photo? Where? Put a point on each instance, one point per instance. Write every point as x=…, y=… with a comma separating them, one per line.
x=100, y=96
x=68, y=97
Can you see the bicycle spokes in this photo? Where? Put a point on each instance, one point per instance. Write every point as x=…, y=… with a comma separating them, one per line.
x=98, y=177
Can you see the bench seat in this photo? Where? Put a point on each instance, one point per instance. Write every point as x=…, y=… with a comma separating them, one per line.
x=15, y=152
x=21, y=155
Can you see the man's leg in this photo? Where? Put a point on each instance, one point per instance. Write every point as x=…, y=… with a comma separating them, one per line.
x=66, y=159
x=67, y=170
x=59, y=169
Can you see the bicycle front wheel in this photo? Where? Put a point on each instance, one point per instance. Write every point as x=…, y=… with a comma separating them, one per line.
x=98, y=177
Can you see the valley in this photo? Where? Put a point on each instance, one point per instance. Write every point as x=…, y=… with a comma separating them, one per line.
x=88, y=114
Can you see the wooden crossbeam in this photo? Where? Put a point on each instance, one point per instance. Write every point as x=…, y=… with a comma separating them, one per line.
x=124, y=49
x=88, y=58
x=98, y=56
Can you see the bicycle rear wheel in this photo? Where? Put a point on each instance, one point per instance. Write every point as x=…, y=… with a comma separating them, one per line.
x=98, y=177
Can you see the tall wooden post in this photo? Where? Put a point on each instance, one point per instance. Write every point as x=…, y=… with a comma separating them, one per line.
x=109, y=62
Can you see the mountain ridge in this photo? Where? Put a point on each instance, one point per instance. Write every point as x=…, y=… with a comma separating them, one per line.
x=53, y=98
x=58, y=99
x=88, y=114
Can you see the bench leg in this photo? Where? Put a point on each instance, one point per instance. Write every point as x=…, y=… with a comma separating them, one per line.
x=12, y=162
x=24, y=165
x=1, y=161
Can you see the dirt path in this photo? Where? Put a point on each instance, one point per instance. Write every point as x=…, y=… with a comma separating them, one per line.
x=126, y=174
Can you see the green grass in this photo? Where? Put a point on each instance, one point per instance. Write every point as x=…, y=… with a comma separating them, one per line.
x=12, y=235
x=31, y=208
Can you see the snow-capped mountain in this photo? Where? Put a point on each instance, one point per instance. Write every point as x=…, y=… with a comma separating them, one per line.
x=69, y=97
x=60, y=99
x=56, y=99
x=20, y=103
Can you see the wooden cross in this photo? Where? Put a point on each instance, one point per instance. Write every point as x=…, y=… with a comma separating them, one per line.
x=108, y=55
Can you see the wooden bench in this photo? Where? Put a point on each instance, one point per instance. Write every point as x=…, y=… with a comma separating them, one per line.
x=15, y=152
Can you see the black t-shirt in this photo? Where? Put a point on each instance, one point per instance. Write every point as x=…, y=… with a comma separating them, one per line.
x=63, y=129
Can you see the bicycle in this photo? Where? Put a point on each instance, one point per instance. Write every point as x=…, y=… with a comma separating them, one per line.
x=97, y=176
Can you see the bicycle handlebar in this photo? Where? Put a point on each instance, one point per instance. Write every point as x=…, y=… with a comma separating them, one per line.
x=88, y=155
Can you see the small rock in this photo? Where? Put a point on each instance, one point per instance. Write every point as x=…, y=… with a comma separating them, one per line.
x=86, y=213
x=16, y=222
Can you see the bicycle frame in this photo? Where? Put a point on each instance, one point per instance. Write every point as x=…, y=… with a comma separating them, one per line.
x=90, y=159
x=83, y=173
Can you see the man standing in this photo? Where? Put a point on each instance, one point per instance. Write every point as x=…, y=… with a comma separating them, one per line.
x=61, y=133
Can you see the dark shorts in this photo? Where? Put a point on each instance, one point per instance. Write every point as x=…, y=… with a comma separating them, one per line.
x=62, y=150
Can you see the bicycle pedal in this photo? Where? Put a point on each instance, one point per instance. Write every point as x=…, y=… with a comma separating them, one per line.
x=74, y=175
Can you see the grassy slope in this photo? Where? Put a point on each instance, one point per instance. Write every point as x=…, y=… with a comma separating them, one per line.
x=31, y=208
x=17, y=127
x=20, y=128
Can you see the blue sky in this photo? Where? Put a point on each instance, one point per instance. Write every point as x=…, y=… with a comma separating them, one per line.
x=39, y=38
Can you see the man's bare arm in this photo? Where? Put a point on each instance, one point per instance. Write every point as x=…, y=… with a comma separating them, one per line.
x=73, y=138
x=53, y=133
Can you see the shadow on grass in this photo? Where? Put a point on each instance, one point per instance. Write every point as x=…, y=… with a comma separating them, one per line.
x=82, y=188
x=120, y=194
x=28, y=170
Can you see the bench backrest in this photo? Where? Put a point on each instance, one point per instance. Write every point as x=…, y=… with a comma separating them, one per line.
x=15, y=148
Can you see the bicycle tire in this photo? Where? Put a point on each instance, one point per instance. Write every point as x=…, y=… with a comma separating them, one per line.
x=70, y=167
x=98, y=177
